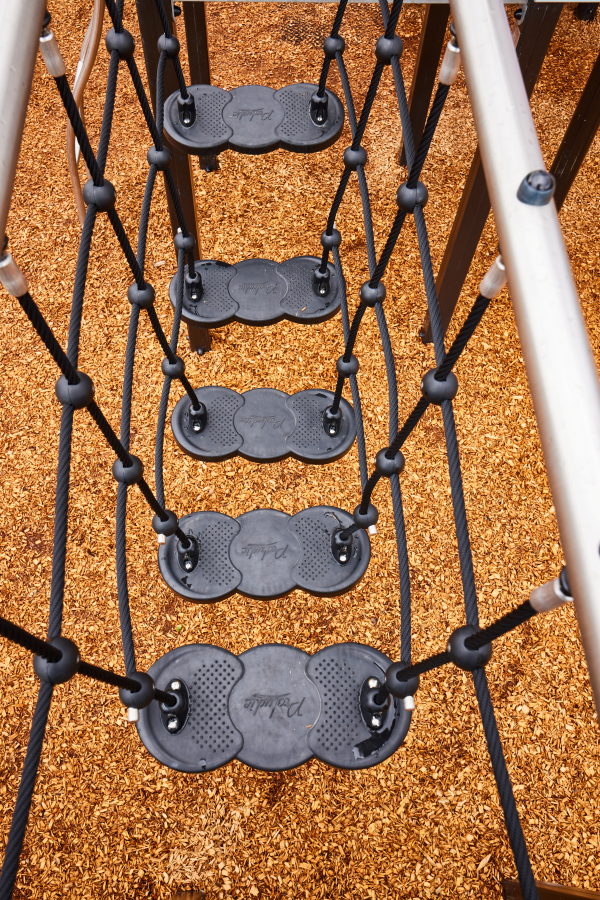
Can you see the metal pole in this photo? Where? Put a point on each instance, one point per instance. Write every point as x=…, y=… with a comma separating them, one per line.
x=20, y=28
x=151, y=29
x=578, y=137
x=433, y=33
x=536, y=34
x=560, y=366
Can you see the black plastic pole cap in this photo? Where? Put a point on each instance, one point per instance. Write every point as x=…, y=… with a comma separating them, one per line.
x=120, y=40
x=395, y=684
x=388, y=467
x=333, y=45
x=365, y=520
x=347, y=368
x=185, y=242
x=385, y=48
x=168, y=527
x=187, y=110
x=354, y=158
x=173, y=370
x=142, y=297
x=461, y=656
x=537, y=188
x=76, y=395
x=103, y=196
x=159, y=158
x=372, y=295
x=407, y=198
x=564, y=582
x=128, y=474
x=170, y=45
x=64, y=669
x=436, y=391
x=143, y=697
x=331, y=240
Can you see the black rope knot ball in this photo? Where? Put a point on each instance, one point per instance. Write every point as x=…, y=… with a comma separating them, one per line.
x=461, y=656
x=437, y=391
x=170, y=45
x=168, y=527
x=372, y=295
x=332, y=45
x=143, y=697
x=407, y=198
x=347, y=368
x=386, y=47
x=328, y=241
x=103, y=196
x=64, y=669
x=75, y=395
x=159, y=158
x=365, y=520
x=142, y=297
x=185, y=242
x=173, y=369
x=122, y=41
x=128, y=474
x=396, y=686
x=387, y=467
x=354, y=158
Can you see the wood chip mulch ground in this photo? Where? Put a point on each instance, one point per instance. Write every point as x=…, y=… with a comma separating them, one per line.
x=108, y=821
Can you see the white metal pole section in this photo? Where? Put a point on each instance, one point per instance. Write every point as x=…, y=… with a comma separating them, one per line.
x=560, y=366
x=20, y=29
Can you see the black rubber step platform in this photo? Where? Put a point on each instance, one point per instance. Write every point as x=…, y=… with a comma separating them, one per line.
x=263, y=554
x=253, y=119
x=257, y=292
x=263, y=425
x=274, y=707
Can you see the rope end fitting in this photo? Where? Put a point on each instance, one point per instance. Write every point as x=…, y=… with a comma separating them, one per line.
x=494, y=280
x=551, y=595
x=51, y=55
x=11, y=276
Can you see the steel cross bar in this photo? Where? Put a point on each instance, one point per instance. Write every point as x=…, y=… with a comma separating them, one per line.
x=20, y=29
x=536, y=34
x=561, y=370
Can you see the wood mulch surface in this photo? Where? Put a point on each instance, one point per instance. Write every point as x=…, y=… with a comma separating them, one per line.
x=107, y=820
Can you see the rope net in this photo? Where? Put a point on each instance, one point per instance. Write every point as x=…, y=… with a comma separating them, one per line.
x=57, y=658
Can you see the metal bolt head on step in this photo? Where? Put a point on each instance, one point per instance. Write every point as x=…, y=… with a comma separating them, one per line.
x=172, y=723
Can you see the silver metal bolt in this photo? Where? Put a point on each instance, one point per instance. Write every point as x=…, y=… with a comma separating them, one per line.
x=376, y=721
x=175, y=685
x=172, y=723
x=373, y=683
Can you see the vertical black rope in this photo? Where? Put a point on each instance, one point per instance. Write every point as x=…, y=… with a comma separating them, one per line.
x=358, y=418
x=166, y=388
x=18, y=825
x=505, y=790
